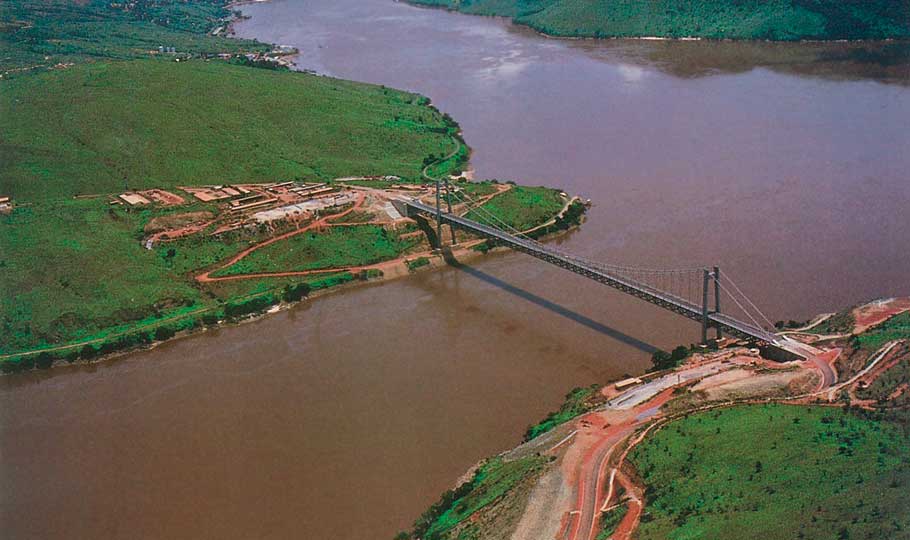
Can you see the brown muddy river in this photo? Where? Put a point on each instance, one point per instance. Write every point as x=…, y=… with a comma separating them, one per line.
x=344, y=418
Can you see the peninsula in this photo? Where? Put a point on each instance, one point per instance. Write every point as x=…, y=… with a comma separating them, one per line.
x=163, y=178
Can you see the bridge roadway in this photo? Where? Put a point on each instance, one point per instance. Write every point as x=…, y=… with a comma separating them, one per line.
x=645, y=292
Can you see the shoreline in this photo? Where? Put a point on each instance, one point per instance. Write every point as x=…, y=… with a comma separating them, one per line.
x=462, y=255
x=543, y=34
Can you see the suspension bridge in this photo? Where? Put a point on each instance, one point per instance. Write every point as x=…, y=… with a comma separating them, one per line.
x=693, y=292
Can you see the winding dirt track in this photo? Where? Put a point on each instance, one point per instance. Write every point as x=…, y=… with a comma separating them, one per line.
x=206, y=277
x=592, y=493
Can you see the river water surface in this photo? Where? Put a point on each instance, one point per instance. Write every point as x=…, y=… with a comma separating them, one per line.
x=345, y=417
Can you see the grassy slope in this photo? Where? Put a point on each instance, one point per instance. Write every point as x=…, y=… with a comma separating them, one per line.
x=73, y=268
x=101, y=127
x=894, y=380
x=521, y=207
x=775, y=472
x=337, y=247
x=718, y=19
x=897, y=327
x=494, y=480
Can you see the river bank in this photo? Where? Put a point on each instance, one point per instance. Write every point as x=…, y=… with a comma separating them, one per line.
x=372, y=275
x=704, y=19
x=603, y=469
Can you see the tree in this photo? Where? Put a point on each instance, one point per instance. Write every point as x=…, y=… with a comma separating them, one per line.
x=661, y=360
x=293, y=293
x=44, y=360
x=679, y=354
x=164, y=332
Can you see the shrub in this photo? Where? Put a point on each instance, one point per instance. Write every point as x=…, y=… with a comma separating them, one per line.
x=293, y=293
x=253, y=305
x=164, y=332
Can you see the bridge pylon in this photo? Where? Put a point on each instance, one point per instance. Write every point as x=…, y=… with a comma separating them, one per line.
x=448, y=200
x=438, y=218
x=705, y=313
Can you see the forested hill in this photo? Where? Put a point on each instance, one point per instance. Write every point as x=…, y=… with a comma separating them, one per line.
x=781, y=20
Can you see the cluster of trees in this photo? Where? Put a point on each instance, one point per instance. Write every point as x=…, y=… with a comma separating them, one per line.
x=662, y=360
x=91, y=351
x=232, y=310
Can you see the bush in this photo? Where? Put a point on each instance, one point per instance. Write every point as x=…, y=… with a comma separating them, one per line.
x=164, y=332
x=88, y=352
x=44, y=360
x=253, y=305
x=417, y=263
x=293, y=293
x=662, y=360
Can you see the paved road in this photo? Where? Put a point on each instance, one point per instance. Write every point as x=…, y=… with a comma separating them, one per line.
x=646, y=391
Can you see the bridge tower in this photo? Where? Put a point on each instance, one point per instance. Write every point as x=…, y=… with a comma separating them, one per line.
x=439, y=212
x=449, y=206
x=438, y=218
x=705, y=322
x=717, y=297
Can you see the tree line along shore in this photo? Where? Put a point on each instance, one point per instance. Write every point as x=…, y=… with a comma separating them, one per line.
x=777, y=20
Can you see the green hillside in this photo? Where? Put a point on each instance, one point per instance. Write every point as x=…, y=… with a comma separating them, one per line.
x=106, y=126
x=37, y=34
x=775, y=472
x=784, y=20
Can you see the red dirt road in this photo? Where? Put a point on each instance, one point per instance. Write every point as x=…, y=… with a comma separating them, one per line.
x=206, y=277
x=592, y=470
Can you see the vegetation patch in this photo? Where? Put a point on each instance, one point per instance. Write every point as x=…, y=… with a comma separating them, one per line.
x=578, y=401
x=43, y=33
x=662, y=360
x=839, y=323
x=419, y=262
x=891, y=388
x=611, y=519
x=337, y=247
x=897, y=327
x=73, y=270
x=775, y=472
x=520, y=208
x=492, y=481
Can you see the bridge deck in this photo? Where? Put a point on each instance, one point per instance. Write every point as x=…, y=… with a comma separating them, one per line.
x=645, y=292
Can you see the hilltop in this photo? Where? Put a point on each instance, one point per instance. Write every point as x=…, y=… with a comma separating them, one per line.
x=779, y=20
